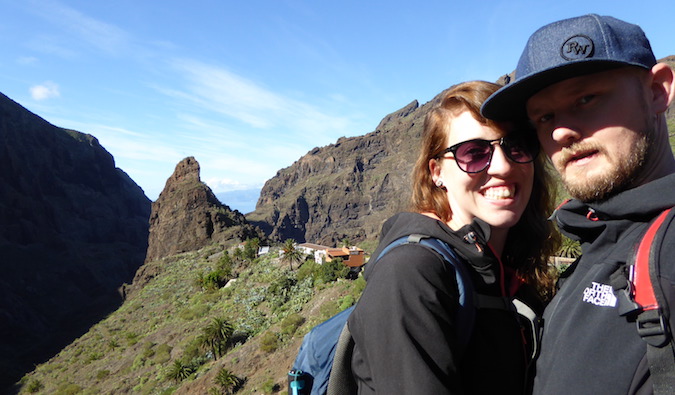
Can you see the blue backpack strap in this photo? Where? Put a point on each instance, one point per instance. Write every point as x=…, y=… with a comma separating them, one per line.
x=466, y=313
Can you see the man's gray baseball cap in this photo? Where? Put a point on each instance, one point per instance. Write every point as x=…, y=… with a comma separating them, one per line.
x=566, y=49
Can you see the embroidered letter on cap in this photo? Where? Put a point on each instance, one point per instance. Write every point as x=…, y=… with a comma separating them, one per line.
x=577, y=47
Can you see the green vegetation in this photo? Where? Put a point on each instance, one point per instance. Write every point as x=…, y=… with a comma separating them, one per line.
x=215, y=336
x=569, y=248
x=291, y=254
x=179, y=371
x=204, y=316
x=227, y=381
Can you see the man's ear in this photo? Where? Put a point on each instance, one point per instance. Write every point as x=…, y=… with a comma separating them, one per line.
x=663, y=87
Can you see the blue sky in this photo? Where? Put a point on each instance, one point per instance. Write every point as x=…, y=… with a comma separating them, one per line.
x=248, y=87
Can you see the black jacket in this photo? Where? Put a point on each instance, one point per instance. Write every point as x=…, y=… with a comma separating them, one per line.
x=587, y=347
x=404, y=324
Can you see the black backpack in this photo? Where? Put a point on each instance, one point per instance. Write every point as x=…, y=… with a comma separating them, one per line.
x=641, y=298
x=323, y=363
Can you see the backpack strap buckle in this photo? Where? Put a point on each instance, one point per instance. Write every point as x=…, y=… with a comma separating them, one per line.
x=652, y=328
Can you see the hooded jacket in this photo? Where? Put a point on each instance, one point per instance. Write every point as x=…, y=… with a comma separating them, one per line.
x=404, y=325
x=587, y=348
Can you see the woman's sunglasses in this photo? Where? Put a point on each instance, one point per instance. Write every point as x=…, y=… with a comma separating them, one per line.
x=474, y=156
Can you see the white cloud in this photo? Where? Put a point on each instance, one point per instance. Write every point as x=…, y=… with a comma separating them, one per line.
x=223, y=92
x=45, y=91
x=226, y=185
x=103, y=36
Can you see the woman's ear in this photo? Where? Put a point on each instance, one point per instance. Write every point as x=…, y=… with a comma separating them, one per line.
x=663, y=87
x=435, y=170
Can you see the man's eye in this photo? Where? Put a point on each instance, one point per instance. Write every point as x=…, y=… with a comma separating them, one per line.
x=586, y=99
x=544, y=118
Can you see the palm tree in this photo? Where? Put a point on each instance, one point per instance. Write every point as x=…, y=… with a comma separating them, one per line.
x=215, y=336
x=227, y=381
x=179, y=371
x=291, y=254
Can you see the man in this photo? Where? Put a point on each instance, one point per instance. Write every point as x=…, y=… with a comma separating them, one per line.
x=596, y=96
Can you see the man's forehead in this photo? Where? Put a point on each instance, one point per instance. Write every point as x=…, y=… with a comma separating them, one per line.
x=570, y=86
x=574, y=86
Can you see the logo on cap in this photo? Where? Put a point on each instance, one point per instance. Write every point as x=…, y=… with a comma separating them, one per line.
x=577, y=47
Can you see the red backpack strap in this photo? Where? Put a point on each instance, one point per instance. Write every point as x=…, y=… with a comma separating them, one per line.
x=643, y=291
x=652, y=321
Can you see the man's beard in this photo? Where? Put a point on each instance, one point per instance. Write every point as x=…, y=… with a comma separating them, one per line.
x=618, y=178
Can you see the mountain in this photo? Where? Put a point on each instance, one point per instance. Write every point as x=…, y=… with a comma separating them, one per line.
x=186, y=217
x=347, y=189
x=73, y=229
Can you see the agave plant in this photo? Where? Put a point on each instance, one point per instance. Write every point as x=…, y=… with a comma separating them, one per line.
x=569, y=248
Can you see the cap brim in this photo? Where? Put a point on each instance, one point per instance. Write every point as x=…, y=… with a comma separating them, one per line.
x=508, y=103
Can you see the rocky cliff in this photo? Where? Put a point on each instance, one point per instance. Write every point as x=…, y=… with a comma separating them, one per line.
x=188, y=216
x=347, y=189
x=73, y=229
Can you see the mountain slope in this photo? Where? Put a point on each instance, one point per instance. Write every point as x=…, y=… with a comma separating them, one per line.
x=135, y=348
x=74, y=229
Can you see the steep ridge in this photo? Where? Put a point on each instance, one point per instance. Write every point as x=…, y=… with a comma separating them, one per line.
x=188, y=216
x=74, y=229
x=347, y=189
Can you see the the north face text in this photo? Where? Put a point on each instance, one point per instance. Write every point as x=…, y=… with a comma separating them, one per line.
x=600, y=295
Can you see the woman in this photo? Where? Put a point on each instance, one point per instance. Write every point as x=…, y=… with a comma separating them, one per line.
x=478, y=186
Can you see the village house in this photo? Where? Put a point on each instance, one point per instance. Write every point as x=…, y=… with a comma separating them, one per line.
x=351, y=256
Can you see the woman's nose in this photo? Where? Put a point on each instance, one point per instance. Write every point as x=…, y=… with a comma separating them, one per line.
x=499, y=164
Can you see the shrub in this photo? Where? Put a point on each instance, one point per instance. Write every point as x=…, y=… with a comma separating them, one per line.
x=331, y=271
x=251, y=249
x=346, y=302
x=270, y=387
x=113, y=344
x=329, y=309
x=163, y=353
x=309, y=269
x=94, y=356
x=34, y=386
x=291, y=323
x=102, y=374
x=214, y=280
x=132, y=338
x=269, y=342
x=358, y=286
x=68, y=389
x=280, y=290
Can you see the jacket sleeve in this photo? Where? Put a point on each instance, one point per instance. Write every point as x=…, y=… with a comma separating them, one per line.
x=403, y=325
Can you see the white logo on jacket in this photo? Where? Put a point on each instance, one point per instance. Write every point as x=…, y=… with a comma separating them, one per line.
x=600, y=295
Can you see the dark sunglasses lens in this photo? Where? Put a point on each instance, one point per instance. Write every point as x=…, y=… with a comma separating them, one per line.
x=473, y=156
x=519, y=151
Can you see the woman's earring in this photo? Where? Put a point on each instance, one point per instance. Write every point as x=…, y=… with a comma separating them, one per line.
x=439, y=183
